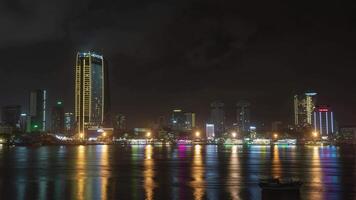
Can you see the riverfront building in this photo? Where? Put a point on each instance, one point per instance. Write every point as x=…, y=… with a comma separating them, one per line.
x=323, y=120
x=243, y=116
x=91, y=95
x=57, y=122
x=38, y=111
x=303, y=109
x=217, y=118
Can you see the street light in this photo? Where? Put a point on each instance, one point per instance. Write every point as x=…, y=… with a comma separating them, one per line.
x=197, y=134
x=148, y=134
x=81, y=135
x=315, y=134
x=234, y=134
x=275, y=136
x=104, y=134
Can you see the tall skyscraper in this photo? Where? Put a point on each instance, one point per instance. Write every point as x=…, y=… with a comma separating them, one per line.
x=217, y=117
x=57, y=122
x=189, y=121
x=11, y=115
x=91, y=91
x=178, y=120
x=38, y=110
x=303, y=109
x=323, y=120
x=69, y=123
x=243, y=115
x=23, y=122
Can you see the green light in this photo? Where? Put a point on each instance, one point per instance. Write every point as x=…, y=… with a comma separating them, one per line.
x=59, y=103
x=35, y=126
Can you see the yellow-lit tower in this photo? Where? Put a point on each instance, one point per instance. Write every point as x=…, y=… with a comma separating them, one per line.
x=303, y=109
x=89, y=91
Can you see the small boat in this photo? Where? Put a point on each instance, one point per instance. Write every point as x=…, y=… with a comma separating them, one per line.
x=277, y=184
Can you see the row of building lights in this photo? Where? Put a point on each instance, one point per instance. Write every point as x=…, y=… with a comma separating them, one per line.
x=197, y=134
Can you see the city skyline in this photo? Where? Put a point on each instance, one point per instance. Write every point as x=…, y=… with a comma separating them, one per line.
x=227, y=122
x=267, y=59
x=303, y=100
x=177, y=99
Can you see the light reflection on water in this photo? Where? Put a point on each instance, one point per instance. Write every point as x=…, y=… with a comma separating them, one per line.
x=198, y=173
x=316, y=175
x=104, y=173
x=276, y=163
x=324, y=171
x=81, y=173
x=234, y=174
x=181, y=172
x=148, y=173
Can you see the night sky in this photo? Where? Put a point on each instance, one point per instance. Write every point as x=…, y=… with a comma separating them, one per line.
x=168, y=54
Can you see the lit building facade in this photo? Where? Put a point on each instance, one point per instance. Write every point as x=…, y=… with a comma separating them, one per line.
x=69, y=123
x=323, y=120
x=57, y=118
x=90, y=91
x=217, y=118
x=23, y=122
x=189, y=121
x=303, y=109
x=209, y=129
x=182, y=121
x=178, y=120
x=38, y=111
x=243, y=116
x=253, y=132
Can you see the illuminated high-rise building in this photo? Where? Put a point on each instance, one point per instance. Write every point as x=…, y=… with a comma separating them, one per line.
x=189, y=120
x=38, y=111
x=69, y=123
x=91, y=95
x=243, y=116
x=209, y=129
x=217, y=117
x=323, y=120
x=23, y=122
x=57, y=118
x=182, y=121
x=303, y=109
x=177, y=120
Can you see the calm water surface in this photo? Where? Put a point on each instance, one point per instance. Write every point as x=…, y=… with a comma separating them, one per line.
x=177, y=172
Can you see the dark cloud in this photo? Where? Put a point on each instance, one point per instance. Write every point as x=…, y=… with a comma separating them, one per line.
x=25, y=22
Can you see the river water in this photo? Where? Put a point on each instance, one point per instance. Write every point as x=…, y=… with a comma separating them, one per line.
x=173, y=172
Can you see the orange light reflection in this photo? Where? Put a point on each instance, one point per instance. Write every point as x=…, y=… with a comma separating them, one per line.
x=104, y=162
x=316, y=176
x=149, y=183
x=198, y=182
x=234, y=175
x=276, y=163
x=81, y=173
